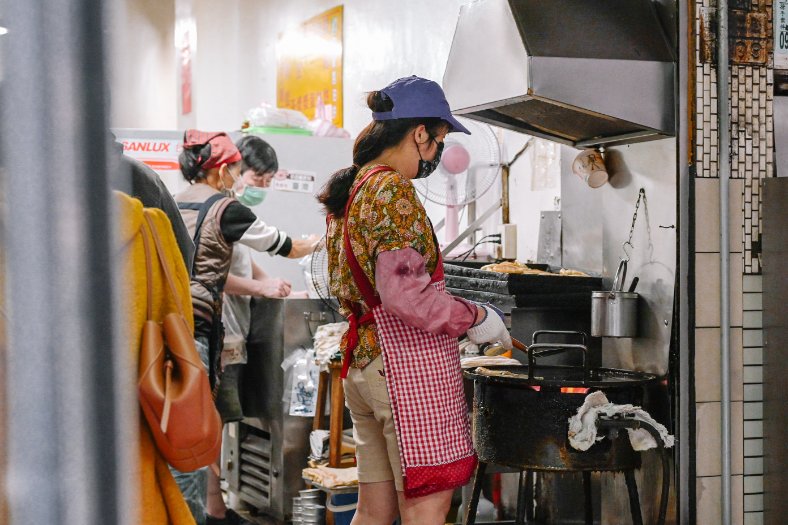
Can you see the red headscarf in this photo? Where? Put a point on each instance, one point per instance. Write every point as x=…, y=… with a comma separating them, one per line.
x=223, y=151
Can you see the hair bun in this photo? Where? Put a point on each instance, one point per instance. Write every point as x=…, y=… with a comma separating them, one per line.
x=379, y=102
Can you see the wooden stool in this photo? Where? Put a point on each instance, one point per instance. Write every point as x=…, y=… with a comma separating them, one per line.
x=335, y=417
x=336, y=413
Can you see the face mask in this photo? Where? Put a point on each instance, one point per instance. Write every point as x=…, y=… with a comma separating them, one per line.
x=252, y=196
x=229, y=192
x=426, y=167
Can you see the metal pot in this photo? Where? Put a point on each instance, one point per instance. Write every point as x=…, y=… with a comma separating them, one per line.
x=614, y=313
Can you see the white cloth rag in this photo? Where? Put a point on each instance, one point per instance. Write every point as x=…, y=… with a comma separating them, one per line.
x=582, y=426
x=326, y=342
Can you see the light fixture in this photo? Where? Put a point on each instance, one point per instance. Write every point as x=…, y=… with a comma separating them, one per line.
x=3, y=30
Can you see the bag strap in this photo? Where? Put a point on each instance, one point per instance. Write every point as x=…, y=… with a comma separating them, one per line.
x=150, y=229
x=148, y=273
x=203, y=208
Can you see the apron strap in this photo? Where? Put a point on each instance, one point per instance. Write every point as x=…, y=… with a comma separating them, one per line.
x=365, y=287
x=371, y=299
x=355, y=319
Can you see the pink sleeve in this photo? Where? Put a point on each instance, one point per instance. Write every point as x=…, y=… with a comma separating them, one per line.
x=404, y=287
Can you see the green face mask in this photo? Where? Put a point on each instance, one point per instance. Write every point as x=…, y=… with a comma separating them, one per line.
x=252, y=196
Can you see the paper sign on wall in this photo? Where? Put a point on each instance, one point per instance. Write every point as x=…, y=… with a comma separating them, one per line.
x=292, y=180
x=781, y=34
x=309, y=67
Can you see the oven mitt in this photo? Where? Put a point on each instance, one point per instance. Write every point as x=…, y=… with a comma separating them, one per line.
x=491, y=329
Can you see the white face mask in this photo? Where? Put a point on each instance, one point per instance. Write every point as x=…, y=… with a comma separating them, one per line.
x=230, y=192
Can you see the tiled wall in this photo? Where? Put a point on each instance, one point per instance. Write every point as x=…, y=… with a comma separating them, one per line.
x=752, y=126
x=752, y=376
x=751, y=159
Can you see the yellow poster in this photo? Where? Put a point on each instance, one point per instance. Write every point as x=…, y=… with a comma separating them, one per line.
x=309, y=67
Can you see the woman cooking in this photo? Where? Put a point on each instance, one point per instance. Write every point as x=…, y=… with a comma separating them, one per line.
x=403, y=382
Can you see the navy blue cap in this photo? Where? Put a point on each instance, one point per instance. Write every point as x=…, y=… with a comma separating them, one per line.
x=416, y=97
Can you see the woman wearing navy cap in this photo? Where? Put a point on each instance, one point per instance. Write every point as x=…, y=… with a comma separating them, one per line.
x=401, y=367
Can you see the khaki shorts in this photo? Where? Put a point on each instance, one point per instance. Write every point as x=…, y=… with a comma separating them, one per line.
x=367, y=398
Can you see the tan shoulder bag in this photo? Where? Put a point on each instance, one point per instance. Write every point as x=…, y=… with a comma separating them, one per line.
x=174, y=391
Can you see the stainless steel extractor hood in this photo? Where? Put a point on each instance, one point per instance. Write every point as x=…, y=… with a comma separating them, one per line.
x=580, y=72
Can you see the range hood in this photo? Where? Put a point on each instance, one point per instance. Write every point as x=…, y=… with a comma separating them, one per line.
x=580, y=72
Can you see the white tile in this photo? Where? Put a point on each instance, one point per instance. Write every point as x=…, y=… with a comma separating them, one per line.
x=753, y=392
x=753, y=356
x=753, y=502
x=753, y=429
x=707, y=215
x=753, y=518
x=708, y=430
x=707, y=289
x=753, y=283
x=753, y=338
x=707, y=364
x=753, y=301
x=736, y=267
x=753, y=466
x=753, y=374
x=753, y=410
x=753, y=447
x=737, y=365
x=752, y=319
x=753, y=484
x=708, y=495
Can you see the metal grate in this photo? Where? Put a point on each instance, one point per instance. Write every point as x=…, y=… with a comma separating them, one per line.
x=255, y=477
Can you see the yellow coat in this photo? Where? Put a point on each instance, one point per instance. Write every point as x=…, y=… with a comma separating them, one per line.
x=159, y=500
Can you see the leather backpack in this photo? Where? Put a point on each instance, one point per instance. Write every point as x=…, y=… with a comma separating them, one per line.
x=174, y=391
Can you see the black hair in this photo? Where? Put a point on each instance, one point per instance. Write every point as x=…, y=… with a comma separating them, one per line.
x=378, y=136
x=257, y=155
x=192, y=159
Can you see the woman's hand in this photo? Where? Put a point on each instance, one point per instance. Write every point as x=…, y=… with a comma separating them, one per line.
x=489, y=327
x=273, y=287
x=303, y=247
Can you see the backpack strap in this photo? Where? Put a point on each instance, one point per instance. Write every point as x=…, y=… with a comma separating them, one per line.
x=203, y=208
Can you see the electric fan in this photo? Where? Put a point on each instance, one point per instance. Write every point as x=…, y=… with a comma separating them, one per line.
x=469, y=167
x=319, y=280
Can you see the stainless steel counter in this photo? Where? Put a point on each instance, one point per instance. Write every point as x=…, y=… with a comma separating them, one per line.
x=264, y=454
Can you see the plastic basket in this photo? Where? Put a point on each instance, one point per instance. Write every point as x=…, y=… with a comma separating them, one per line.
x=343, y=506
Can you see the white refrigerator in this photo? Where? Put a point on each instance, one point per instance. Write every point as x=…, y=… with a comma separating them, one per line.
x=305, y=164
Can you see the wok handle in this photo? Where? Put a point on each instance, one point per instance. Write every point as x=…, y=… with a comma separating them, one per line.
x=544, y=349
x=539, y=333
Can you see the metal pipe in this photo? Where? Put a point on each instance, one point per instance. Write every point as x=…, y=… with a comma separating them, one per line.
x=723, y=163
x=505, y=194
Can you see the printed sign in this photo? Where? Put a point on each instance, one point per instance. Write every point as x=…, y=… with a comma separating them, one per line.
x=291, y=180
x=781, y=34
x=161, y=155
x=309, y=67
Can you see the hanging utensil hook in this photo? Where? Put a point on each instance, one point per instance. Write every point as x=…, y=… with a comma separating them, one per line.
x=628, y=242
x=627, y=249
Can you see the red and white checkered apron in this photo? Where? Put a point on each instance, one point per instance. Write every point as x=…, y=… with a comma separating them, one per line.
x=424, y=380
